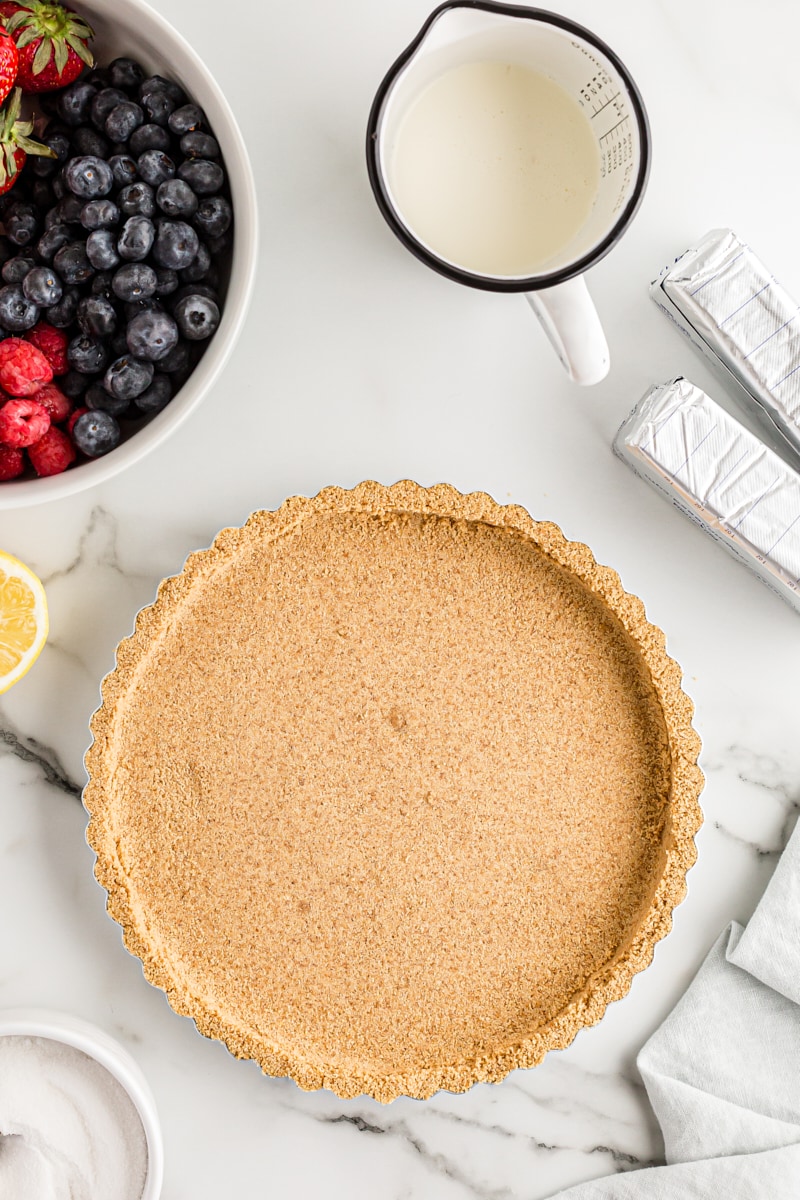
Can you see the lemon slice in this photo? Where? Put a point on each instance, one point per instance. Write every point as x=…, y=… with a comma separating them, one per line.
x=23, y=620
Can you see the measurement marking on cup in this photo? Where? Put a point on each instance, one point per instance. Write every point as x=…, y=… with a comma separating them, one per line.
x=597, y=111
x=609, y=132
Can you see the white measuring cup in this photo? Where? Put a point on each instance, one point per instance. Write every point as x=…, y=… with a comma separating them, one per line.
x=470, y=31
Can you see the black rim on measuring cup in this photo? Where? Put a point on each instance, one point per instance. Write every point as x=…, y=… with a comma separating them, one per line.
x=492, y=282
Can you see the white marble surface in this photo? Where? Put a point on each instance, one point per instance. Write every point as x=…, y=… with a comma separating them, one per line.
x=358, y=362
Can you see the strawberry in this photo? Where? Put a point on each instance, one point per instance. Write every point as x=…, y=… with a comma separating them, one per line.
x=16, y=143
x=9, y=61
x=52, y=43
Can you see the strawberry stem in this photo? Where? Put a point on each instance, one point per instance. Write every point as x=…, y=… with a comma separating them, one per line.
x=57, y=30
x=16, y=135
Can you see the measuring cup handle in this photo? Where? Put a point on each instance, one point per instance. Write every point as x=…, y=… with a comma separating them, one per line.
x=570, y=320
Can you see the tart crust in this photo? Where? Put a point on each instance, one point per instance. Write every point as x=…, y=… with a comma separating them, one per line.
x=393, y=790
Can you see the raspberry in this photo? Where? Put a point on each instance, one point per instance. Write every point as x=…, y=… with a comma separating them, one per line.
x=53, y=344
x=53, y=453
x=22, y=422
x=73, y=418
x=54, y=401
x=23, y=368
x=12, y=462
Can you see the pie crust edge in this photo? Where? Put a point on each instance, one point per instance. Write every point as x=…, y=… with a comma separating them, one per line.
x=614, y=979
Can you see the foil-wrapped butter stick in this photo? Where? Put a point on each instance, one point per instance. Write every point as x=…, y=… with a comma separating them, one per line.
x=720, y=476
x=733, y=309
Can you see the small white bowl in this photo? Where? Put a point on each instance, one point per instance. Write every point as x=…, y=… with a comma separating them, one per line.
x=132, y=28
x=97, y=1044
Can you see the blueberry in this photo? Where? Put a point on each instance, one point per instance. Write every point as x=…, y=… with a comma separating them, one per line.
x=43, y=287
x=135, y=308
x=221, y=246
x=122, y=120
x=199, y=145
x=137, y=200
x=104, y=103
x=98, y=399
x=88, y=176
x=101, y=249
x=176, y=245
x=166, y=281
x=42, y=194
x=67, y=212
x=119, y=344
x=203, y=177
x=176, y=199
x=97, y=316
x=195, y=289
x=96, y=433
x=157, y=83
x=51, y=217
x=178, y=359
x=98, y=77
x=149, y=137
x=63, y=314
x=152, y=335
x=136, y=239
x=59, y=142
x=214, y=215
x=52, y=240
x=87, y=353
x=134, y=281
x=128, y=377
x=74, y=103
x=155, y=166
x=125, y=73
x=74, y=383
x=157, y=106
x=199, y=269
x=15, y=269
x=197, y=317
x=47, y=101
x=186, y=119
x=59, y=188
x=7, y=251
x=72, y=263
x=157, y=396
x=16, y=312
x=6, y=202
x=22, y=223
x=101, y=284
x=123, y=168
x=88, y=141
x=99, y=214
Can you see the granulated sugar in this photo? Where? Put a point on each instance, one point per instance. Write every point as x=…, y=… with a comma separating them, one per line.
x=68, y=1129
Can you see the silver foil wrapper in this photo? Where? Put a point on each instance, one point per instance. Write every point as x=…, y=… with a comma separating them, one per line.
x=724, y=298
x=721, y=476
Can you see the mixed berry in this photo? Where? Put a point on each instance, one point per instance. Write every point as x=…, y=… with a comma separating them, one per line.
x=116, y=233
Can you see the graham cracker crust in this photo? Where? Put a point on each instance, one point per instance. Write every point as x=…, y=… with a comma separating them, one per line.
x=393, y=789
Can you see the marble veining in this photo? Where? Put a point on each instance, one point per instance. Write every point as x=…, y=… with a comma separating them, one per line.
x=29, y=750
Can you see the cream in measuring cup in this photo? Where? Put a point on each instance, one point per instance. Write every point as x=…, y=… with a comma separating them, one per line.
x=495, y=167
x=508, y=148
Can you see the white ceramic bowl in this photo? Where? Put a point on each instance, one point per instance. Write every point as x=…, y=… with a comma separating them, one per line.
x=94, y=1042
x=134, y=29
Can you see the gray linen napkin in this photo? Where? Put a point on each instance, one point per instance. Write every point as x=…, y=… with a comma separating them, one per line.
x=723, y=1071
